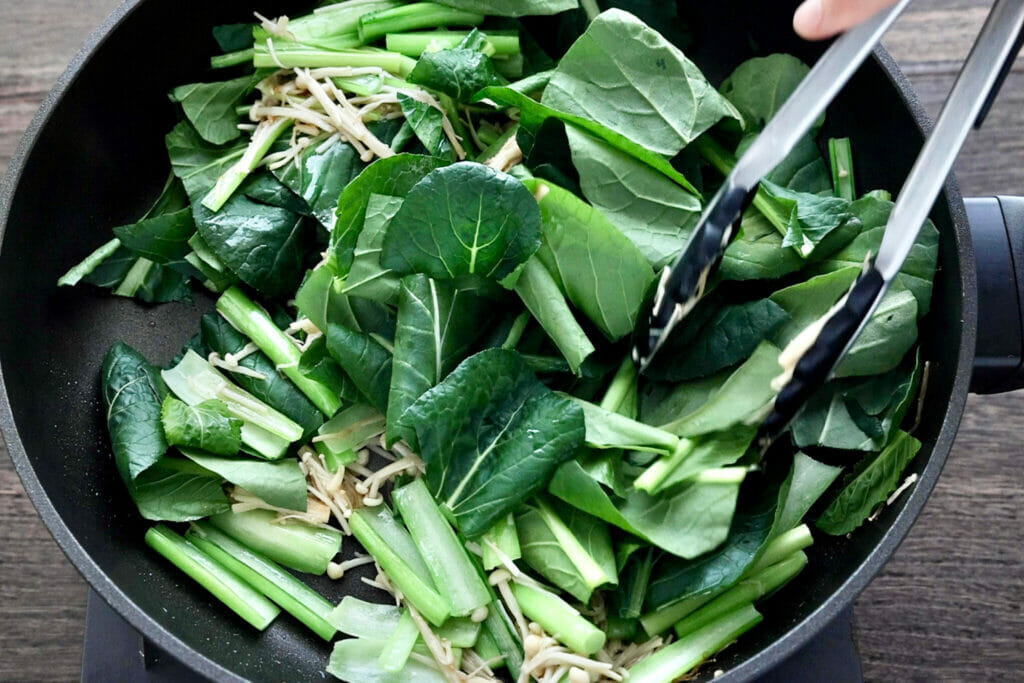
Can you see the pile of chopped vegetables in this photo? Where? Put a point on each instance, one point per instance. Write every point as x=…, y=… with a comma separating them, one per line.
x=431, y=244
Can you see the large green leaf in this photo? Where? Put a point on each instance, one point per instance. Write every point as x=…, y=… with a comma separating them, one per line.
x=267, y=384
x=319, y=175
x=176, y=490
x=491, y=435
x=734, y=399
x=651, y=210
x=459, y=73
x=367, y=277
x=437, y=324
x=601, y=272
x=197, y=163
x=162, y=239
x=757, y=252
x=463, y=219
x=578, y=487
x=533, y=114
x=807, y=301
x=512, y=8
x=869, y=486
x=727, y=339
x=207, y=426
x=210, y=107
x=760, y=86
x=364, y=359
x=280, y=483
x=393, y=176
x=919, y=268
x=688, y=520
x=133, y=392
x=626, y=76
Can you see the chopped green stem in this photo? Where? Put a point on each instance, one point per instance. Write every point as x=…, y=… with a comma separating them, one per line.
x=290, y=56
x=722, y=475
x=243, y=110
x=295, y=597
x=453, y=571
x=591, y=8
x=399, y=646
x=663, y=618
x=559, y=619
x=415, y=44
x=499, y=632
x=682, y=656
x=840, y=154
x=262, y=139
x=743, y=593
x=252, y=321
x=654, y=477
x=500, y=543
x=364, y=86
x=134, y=278
x=534, y=82
x=339, y=439
x=362, y=619
x=510, y=66
x=460, y=631
x=590, y=571
x=294, y=544
x=342, y=19
x=781, y=547
x=232, y=59
x=242, y=598
x=413, y=17
x=203, y=251
x=724, y=161
x=265, y=431
x=75, y=275
x=394, y=551
x=515, y=333
x=623, y=384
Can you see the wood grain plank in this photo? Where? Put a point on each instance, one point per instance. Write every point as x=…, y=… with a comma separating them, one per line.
x=949, y=605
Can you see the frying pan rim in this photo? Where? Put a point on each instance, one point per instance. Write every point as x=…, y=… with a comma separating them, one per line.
x=791, y=641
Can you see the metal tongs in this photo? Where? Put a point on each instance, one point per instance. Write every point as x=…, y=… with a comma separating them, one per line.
x=810, y=358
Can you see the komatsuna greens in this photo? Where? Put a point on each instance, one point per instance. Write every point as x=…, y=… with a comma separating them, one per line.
x=429, y=246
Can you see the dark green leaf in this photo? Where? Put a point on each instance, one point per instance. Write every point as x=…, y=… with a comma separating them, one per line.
x=210, y=107
x=233, y=37
x=651, y=210
x=319, y=175
x=729, y=398
x=427, y=122
x=393, y=176
x=869, y=486
x=265, y=246
x=207, y=426
x=265, y=188
x=583, y=489
x=713, y=450
x=760, y=86
x=729, y=338
x=757, y=252
x=887, y=337
x=919, y=268
x=133, y=392
x=270, y=387
x=458, y=73
x=162, y=239
x=533, y=114
x=317, y=364
x=807, y=481
x=198, y=163
x=364, y=360
x=437, y=324
x=367, y=277
x=688, y=520
x=626, y=76
x=805, y=302
x=280, y=483
x=491, y=435
x=176, y=490
x=463, y=219
x=130, y=276
x=811, y=217
x=601, y=272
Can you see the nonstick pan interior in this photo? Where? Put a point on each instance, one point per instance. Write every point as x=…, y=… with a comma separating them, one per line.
x=98, y=160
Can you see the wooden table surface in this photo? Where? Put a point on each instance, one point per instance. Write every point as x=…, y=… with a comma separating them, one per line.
x=948, y=606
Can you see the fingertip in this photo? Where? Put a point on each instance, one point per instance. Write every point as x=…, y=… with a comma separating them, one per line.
x=808, y=20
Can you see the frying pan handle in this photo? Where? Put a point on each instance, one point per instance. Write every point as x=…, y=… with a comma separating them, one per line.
x=997, y=229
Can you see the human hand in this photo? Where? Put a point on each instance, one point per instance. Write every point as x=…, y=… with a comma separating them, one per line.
x=819, y=19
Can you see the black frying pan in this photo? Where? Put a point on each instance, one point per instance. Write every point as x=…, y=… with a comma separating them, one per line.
x=92, y=160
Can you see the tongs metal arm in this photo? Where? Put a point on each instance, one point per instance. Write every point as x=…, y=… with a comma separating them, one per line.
x=811, y=357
